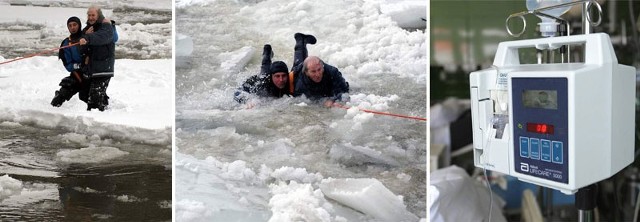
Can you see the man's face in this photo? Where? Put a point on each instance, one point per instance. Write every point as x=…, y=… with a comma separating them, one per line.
x=314, y=71
x=279, y=79
x=92, y=16
x=73, y=27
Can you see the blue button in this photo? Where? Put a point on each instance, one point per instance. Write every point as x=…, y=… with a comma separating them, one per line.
x=557, y=152
x=545, y=150
x=535, y=148
x=524, y=147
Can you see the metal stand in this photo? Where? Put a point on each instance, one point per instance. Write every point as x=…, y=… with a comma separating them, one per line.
x=586, y=203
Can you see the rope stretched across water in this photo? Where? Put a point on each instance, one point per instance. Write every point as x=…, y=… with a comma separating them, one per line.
x=381, y=113
x=39, y=53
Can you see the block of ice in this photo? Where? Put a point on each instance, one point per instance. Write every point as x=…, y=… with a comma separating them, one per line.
x=90, y=154
x=236, y=60
x=368, y=196
x=184, y=45
x=9, y=187
x=355, y=155
x=184, y=48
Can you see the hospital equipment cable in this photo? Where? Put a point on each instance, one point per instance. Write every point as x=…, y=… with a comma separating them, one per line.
x=486, y=178
x=635, y=211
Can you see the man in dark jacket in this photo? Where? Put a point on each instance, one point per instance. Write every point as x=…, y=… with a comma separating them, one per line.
x=320, y=82
x=72, y=60
x=99, y=57
x=271, y=82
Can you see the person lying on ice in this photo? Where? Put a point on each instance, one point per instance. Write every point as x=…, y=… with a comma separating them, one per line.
x=321, y=82
x=271, y=82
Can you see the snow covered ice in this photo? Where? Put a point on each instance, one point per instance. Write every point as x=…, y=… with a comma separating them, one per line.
x=9, y=187
x=77, y=165
x=267, y=163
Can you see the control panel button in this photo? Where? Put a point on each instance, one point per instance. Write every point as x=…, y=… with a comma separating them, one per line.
x=534, y=143
x=556, y=153
x=524, y=147
x=545, y=150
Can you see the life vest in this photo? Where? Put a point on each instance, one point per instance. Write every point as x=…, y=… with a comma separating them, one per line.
x=291, y=84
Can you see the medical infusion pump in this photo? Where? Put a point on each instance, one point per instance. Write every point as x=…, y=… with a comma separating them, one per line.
x=557, y=125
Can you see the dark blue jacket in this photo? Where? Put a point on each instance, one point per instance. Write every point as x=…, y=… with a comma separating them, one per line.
x=332, y=85
x=101, y=48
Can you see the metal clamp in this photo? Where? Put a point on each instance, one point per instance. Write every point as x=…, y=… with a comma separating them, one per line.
x=539, y=12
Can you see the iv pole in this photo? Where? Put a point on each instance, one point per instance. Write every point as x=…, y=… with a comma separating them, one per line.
x=585, y=198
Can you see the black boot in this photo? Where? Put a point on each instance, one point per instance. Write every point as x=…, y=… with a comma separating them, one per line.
x=305, y=39
x=98, y=98
x=267, y=51
x=57, y=100
x=61, y=96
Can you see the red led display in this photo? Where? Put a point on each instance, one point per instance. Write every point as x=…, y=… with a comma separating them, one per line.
x=540, y=128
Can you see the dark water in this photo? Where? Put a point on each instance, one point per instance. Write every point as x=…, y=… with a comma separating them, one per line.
x=135, y=187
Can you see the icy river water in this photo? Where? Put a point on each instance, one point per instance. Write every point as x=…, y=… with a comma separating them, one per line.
x=136, y=186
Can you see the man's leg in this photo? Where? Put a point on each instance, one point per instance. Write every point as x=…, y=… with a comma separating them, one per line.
x=300, y=50
x=267, y=54
x=98, y=93
x=83, y=93
x=68, y=88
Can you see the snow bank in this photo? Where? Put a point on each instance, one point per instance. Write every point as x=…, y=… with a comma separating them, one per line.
x=9, y=187
x=140, y=105
x=90, y=154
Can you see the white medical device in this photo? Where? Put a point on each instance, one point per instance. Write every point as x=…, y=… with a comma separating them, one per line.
x=557, y=125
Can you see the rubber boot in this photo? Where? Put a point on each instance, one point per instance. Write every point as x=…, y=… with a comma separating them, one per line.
x=305, y=39
x=300, y=52
x=61, y=96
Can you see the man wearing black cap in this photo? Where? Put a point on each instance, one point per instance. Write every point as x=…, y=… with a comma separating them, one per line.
x=271, y=82
x=72, y=60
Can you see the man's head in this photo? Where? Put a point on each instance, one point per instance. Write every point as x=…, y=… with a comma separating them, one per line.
x=279, y=75
x=73, y=24
x=313, y=67
x=94, y=14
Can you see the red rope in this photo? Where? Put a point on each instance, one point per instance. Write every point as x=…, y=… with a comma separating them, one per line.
x=37, y=54
x=381, y=113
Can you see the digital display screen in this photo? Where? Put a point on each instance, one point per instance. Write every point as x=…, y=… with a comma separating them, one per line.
x=543, y=99
x=540, y=128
